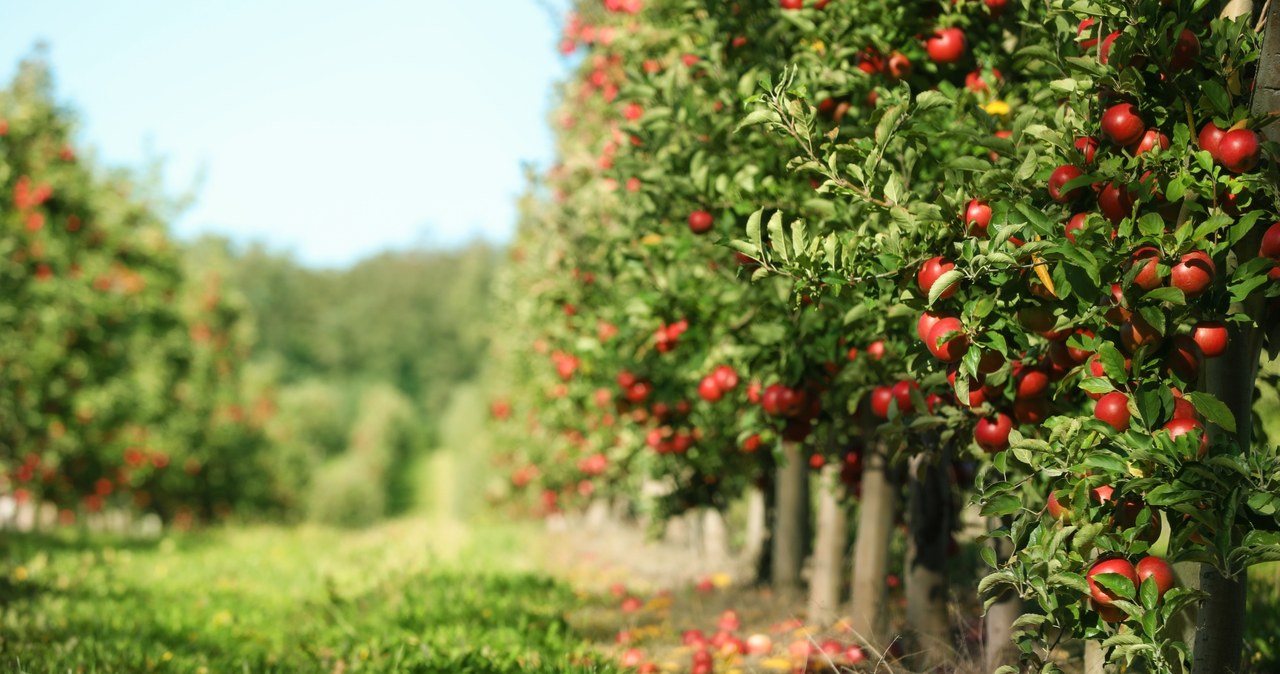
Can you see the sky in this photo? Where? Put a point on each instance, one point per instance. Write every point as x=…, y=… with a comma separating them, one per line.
x=331, y=130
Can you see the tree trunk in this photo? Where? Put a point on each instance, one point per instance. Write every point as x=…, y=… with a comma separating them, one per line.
x=790, y=519
x=756, y=527
x=828, y=550
x=1095, y=661
x=929, y=518
x=715, y=538
x=871, y=556
x=999, y=647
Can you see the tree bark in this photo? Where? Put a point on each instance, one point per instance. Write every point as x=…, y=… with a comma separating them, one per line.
x=756, y=527
x=715, y=538
x=829, y=549
x=871, y=557
x=999, y=649
x=791, y=518
x=1095, y=661
x=929, y=519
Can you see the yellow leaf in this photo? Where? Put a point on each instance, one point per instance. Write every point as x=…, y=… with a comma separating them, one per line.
x=1042, y=271
x=651, y=239
x=777, y=664
x=997, y=108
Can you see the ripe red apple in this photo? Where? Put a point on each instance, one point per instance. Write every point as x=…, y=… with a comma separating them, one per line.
x=902, y=394
x=1158, y=570
x=977, y=216
x=1075, y=224
x=1152, y=141
x=1184, y=358
x=853, y=354
x=1088, y=147
x=1113, y=409
x=881, y=398
x=700, y=222
x=1032, y=383
x=877, y=350
x=726, y=377
x=990, y=362
x=1115, y=202
x=1179, y=427
x=954, y=347
x=709, y=389
x=1104, y=50
x=1031, y=410
x=1101, y=595
x=1123, y=124
x=1211, y=138
x=1271, y=242
x=1193, y=274
x=1185, y=50
x=1149, y=277
x=791, y=4
x=946, y=45
x=1211, y=337
x=929, y=273
x=1060, y=177
x=1239, y=150
x=926, y=323
x=1136, y=333
x=992, y=434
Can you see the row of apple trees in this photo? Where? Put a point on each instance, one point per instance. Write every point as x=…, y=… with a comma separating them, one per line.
x=120, y=370
x=903, y=241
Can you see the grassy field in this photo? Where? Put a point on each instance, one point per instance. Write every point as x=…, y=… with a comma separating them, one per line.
x=390, y=599
x=420, y=594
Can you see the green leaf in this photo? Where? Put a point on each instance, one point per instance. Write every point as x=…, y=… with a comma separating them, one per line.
x=1112, y=362
x=777, y=237
x=1118, y=584
x=948, y=279
x=1150, y=593
x=1004, y=504
x=1074, y=581
x=1213, y=410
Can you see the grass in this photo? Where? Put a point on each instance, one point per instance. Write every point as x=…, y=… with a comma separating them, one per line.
x=267, y=599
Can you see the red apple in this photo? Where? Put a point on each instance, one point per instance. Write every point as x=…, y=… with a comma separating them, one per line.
x=1271, y=242
x=1211, y=138
x=1211, y=337
x=946, y=45
x=992, y=434
x=1193, y=274
x=1185, y=50
x=1115, y=202
x=877, y=350
x=929, y=273
x=1060, y=177
x=1136, y=333
x=1152, y=141
x=1159, y=571
x=977, y=216
x=1032, y=384
x=700, y=222
x=1088, y=147
x=1239, y=150
x=1031, y=410
x=709, y=389
x=902, y=394
x=1101, y=595
x=1149, y=277
x=954, y=346
x=1113, y=409
x=1075, y=224
x=1085, y=35
x=1056, y=510
x=881, y=398
x=1179, y=427
x=1123, y=124
x=926, y=323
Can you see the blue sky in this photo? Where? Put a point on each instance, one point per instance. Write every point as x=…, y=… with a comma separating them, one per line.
x=329, y=129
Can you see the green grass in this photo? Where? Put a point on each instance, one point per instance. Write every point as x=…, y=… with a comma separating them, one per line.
x=414, y=595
